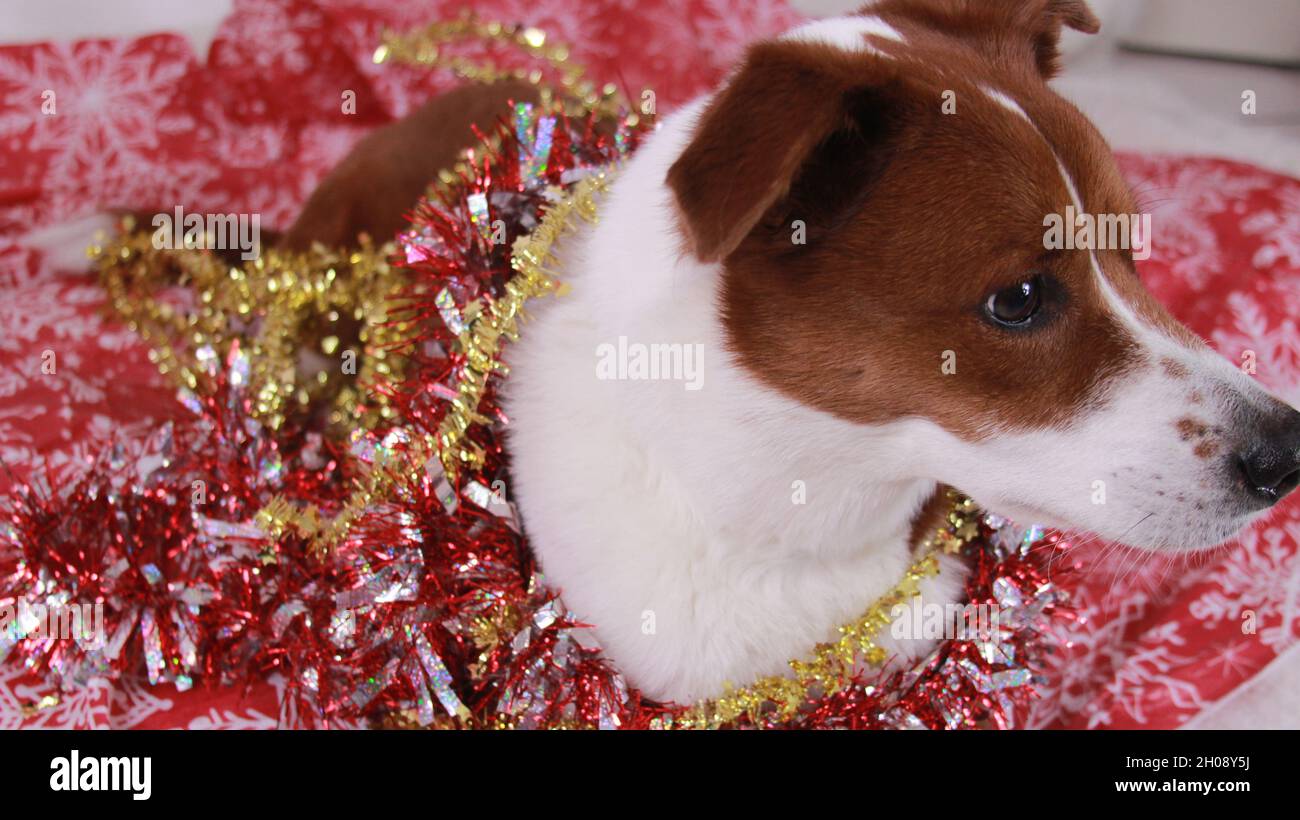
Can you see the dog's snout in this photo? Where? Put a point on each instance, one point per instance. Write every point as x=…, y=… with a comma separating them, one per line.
x=1270, y=463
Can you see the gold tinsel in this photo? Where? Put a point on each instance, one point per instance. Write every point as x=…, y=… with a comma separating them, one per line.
x=568, y=88
x=563, y=87
x=479, y=343
x=277, y=307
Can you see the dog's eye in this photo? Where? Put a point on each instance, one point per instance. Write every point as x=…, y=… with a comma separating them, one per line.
x=1017, y=304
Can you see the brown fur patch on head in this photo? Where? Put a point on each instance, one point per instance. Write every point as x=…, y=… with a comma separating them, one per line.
x=760, y=131
x=913, y=219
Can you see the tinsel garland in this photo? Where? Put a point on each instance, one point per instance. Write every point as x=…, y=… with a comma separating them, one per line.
x=567, y=89
x=298, y=316
x=384, y=576
x=562, y=87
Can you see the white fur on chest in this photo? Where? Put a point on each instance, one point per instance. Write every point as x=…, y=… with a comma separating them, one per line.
x=711, y=534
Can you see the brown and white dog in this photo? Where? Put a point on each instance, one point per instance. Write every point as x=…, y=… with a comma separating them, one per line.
x=919, y=335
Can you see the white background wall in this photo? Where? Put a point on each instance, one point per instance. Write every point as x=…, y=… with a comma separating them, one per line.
x=34, y=20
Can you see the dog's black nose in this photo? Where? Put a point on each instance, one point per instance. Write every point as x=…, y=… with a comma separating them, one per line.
x=1271, y=465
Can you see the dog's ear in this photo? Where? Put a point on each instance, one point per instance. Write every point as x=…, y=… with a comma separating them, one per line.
x=1046, y=30
x=765, y=133
x=990, y=24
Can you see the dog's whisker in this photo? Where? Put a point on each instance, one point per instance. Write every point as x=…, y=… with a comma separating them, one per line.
x=1129, y=561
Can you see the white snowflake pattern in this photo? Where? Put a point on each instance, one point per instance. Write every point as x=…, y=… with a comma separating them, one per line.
x=1279, y=230
x=111, y=111
x=1262, y=576
x=99, y=704
x=1145, y=676
x=1276, y=347
x=1182, y=199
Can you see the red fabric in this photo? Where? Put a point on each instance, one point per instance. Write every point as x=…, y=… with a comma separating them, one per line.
x=143, y=123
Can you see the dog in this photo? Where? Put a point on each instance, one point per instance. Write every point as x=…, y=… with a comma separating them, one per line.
x=849, y=231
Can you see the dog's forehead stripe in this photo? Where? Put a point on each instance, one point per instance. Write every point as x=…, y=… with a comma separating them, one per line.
x=1121, y=308
x=1002, y=99
x=848, y=33
x=1116, y=302
x=1145, y=332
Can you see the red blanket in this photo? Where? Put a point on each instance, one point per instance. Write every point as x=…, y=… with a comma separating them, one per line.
x=144, y=123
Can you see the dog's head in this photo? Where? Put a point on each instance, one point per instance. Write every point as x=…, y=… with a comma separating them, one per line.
x=878, y=189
